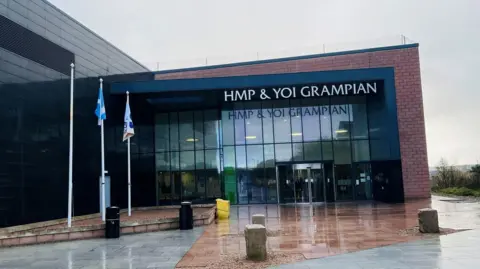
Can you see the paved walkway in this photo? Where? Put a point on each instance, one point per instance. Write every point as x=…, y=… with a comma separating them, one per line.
x=320, y=231
x=160, y=250
x=460, y=250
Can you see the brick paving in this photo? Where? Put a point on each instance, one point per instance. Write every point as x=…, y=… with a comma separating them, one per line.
x=346, y=234
x=321, y=231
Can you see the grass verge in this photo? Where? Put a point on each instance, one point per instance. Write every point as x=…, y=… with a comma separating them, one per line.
x=462, y=191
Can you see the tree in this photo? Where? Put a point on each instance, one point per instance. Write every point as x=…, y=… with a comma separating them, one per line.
x=475, y=170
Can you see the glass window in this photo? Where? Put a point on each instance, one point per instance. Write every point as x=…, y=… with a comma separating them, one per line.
x=325, y=118
x=174, y=161
x=358, y=117
x=229, y=174
x=271, y=179
x=341, y=124
x=343, y=179
x=283, y=152
x=201, y=184
x=267, y=121
x=281, y=121
x=380, y=149
x=269, y=155
x=243, y=177
x=188, y=185
x=162, y=161
x=240, y=156
x=176, y=185
x=310, y=120
x=257, y=186
x=229, y=157
x=173, y=131
x=361, y=151
x=326, y=123
x=199, y=159
x=270, y=173
x=198, y=129
x=244, y=180
x=255, y=166
x=213, y=184
x=295, y=113
x=253, y=123
x=211, y=159
x=297, y=151
x=376, y=118
x=327, y=150
x=164, y=187
x=343, y=153
x=312, y=151
x=187, y=141
x=187, y=160
x=255, y=156
x=161, y=132
x=211, y=129
x=228, y=130
x=240, y=116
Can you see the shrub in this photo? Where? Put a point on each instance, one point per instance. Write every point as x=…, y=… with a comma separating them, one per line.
x=450, y=177
x=460, y=191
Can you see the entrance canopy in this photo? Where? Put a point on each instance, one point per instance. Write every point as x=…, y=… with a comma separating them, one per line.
x=254, y=81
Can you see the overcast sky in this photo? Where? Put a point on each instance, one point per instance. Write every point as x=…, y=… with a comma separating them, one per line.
x=181, y=32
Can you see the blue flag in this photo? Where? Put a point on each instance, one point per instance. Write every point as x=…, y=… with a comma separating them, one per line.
x=100, y=110
x=128, y=123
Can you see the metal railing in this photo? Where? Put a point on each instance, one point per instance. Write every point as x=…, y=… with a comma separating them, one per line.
x=275, y=54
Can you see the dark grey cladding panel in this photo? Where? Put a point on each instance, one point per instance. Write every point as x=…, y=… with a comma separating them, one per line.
x=21, y=41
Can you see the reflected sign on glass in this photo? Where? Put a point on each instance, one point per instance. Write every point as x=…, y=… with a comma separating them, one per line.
x=303, y=91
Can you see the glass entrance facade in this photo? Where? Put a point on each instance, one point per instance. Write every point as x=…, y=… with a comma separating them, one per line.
x=236, y=152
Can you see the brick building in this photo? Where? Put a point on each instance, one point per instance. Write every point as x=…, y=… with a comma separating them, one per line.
x=317, y=128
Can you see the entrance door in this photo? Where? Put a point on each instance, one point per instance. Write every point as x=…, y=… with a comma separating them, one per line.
x=301, y=183
x=363, y=181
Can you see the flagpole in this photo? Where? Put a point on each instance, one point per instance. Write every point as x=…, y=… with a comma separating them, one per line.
x=129, y=170
x=102, y=135
x=70, y=153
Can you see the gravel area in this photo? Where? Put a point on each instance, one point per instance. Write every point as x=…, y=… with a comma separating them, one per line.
x=416, y=232
x=237, y=261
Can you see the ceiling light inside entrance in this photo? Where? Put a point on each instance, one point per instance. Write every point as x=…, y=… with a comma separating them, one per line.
x=191, y=140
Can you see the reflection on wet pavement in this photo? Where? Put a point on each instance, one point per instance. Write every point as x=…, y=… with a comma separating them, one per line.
x=459, y=250
x=148, y=250
x=319, y=230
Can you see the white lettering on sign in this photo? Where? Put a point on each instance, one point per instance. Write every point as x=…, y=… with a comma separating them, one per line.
x=307, y=91
x=238, y=95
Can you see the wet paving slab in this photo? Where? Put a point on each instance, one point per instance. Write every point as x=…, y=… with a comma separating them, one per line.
x=459, y=250
x=149, y=250
x=320, y=231
x=326, y=232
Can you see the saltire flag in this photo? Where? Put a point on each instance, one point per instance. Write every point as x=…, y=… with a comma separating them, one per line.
x=128, y=130
x=100, y=110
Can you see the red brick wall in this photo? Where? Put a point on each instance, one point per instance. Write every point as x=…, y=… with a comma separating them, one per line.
x=411, y=121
